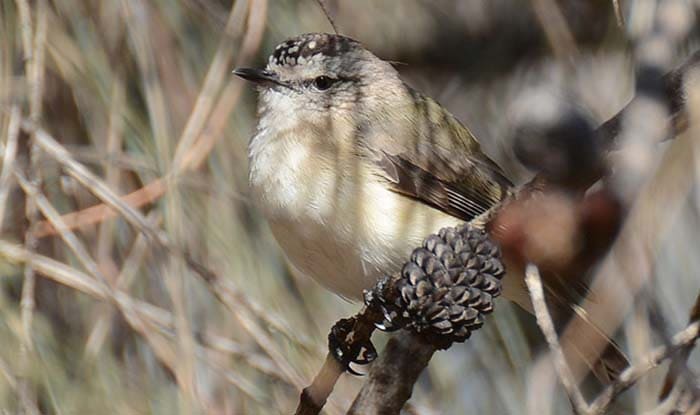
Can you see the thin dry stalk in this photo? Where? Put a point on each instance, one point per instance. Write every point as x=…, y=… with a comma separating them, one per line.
x=246, y=319
x=8, y=161
x=638, y=334
x=153, y=323
x=313, y=398
x=25, y=18
x=140, y=24
x=323, y=6
x=680, y=360
x=628, y=267
x=230, y=95
x=128, y=271
x=619, y=16
x=6, y=372
x=239, y=382
x=36, y=64
x=105, y=233
x=174, y=268
x=27, y=301
x=163, y=350
x=33, y=46
x=222, y=290
x=52, y=215
x=120, y=160
x=99, y=213
x=115, y=127
x=206, y=136
x=55, y=270
x=93, y=183
x=14, y=384
x=213, y=80
x=556, y=29
x=544, y=320
x=255, y=360
x=632, y=374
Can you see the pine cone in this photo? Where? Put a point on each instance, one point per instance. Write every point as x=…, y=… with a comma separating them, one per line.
x=446, y=287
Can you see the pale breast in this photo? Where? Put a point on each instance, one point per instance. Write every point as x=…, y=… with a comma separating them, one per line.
x=337, y=224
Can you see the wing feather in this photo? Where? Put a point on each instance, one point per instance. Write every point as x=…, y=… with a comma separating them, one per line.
x=435, y=160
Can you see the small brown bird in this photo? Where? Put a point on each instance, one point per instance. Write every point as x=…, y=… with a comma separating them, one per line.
x=352, y=168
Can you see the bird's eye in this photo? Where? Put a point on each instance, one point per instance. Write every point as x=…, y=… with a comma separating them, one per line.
x=323, y=82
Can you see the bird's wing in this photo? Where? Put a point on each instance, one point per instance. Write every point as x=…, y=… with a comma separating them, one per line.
x=436, y=161
x=439, y=162
x=464, y=195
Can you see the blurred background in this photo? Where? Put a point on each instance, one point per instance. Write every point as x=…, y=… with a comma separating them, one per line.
x=103, y=319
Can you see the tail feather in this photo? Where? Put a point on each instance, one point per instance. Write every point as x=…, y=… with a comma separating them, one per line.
x=562, y=302
x=607, y=365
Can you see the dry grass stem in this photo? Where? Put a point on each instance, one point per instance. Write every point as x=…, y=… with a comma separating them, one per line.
x=656, y=205
x=324, y=7
x=314, y=397
x=146, y=319
x=52, y=215
x=544, y=320
x=213, y=81
x=35, y=66
x=680, y=359
x=247, y=320
x=128, y=272
x=619, y=16
x=203, y=139
x=8, y=160
x=137, y=276
x=33, y=45
x=632, y=374
x=92, y=182
x=102, y=191
x=115, y=131
x=556, y=29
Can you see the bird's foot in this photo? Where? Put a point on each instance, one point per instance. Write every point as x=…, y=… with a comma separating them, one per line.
x=349, y=342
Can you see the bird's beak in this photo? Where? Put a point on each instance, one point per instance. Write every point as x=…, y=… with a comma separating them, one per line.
x=258, y=76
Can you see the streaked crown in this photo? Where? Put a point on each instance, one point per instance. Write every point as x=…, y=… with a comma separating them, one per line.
x=315, y=76
x=310, y=46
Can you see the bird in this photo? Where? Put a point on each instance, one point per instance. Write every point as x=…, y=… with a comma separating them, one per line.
x=352, y=168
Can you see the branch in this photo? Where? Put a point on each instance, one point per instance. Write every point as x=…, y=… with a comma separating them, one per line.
x=155, y=324
x=376, y=393
x=680, y=360
x=637, y=205
x=439, y=297
x=390, y=381
x=222, y=290
x=8, y=160
x=544, y=320
x=322, y=4
x=680, y=343
x=205, y=124
x=631, y=375
x=314, y=396
x=361, y=326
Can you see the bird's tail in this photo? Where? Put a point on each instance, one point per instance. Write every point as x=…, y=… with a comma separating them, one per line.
x=585, y=357
x=580, y=347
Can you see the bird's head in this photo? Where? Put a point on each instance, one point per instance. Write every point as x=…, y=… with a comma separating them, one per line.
x=323, y=78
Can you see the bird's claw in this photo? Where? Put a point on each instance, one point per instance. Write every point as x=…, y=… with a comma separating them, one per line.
x=347, y=349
